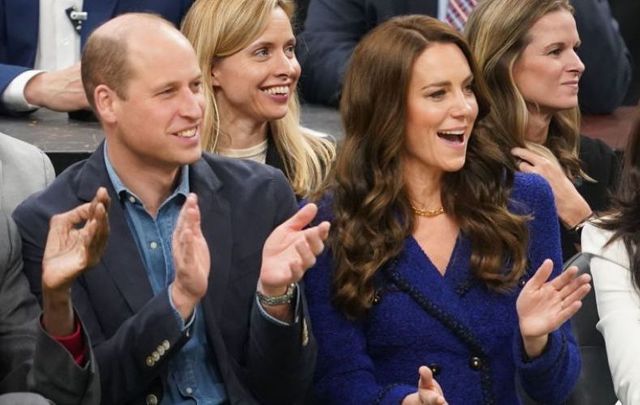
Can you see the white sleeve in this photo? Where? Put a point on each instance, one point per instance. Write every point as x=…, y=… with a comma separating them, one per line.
x=618, y=304
x=13, y=95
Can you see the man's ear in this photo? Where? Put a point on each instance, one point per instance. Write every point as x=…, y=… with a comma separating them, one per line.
x=106, y=101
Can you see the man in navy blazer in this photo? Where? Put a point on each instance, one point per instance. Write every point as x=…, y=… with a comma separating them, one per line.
x=333, y=28
x=61, y=90
x=195, y=298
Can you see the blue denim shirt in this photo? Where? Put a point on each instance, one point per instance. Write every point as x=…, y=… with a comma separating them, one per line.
x=193, y=376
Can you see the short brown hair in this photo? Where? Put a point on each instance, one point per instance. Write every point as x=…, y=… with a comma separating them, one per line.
x=105, y=58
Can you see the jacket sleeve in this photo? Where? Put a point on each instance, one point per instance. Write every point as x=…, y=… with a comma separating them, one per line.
x=331, y=31
x=131, y=359
x=278, y=355
x=31, y=359
x=550, y=377
x=56, y=376
x=18, y=313
x=607, y=76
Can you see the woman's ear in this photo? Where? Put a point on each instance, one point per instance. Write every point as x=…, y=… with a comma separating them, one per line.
x=215, y=75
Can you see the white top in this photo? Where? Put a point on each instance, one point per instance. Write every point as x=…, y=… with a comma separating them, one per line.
x=256, y=153
x=58, y=48
x=618, y=304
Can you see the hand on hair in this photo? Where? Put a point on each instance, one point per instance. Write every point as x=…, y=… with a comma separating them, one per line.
x=289, y=251
x=191, y=259
x=429, y=391
x=543, y=306
x=70, y=251
x=571, y=206
x=60, y=90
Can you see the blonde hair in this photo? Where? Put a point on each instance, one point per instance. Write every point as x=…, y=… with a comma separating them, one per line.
x=498, y=33
x=220, y=28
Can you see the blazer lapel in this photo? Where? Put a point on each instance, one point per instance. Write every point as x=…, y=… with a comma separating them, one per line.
x=121, y=258
x=216, y=228
x=439, y=296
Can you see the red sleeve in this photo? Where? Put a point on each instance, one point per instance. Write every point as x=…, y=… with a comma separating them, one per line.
x=74, y=343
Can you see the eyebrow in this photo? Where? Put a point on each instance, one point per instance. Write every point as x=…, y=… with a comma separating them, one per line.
x=175, y=83
x=560, y=43
x=444, y=83
x=261, y=44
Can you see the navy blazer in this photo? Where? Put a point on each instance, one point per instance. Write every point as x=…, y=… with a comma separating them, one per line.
x=241, y=202
x=334, y=27
x=19, y=21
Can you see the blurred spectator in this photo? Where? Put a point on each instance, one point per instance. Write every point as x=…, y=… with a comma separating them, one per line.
x=626, y=12
x=526, y=52
x=24, y=169
x=252, y=109
x=40, y=47
x=333, y=27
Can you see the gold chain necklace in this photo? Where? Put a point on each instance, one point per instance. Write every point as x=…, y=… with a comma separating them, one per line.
x=427, y=213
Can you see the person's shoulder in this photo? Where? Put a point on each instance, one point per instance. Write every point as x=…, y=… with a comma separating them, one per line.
x=8, y=240
x=244, y=170
x=590, y=146
x=531, y=194
x=57, y=197
x=17, y=150
x=243, y=180
x=325, y=207
x=530, y=186
x=596, y=240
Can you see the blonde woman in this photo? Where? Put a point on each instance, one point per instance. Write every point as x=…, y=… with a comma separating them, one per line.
x=526, y=51
x=246, y=50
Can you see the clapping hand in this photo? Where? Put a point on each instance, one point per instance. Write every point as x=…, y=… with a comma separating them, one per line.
x=70, y=251
x=191, y=259
x=543, y=306
x=290, y=250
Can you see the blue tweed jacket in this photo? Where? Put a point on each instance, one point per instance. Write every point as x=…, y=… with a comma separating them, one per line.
x=467, y=334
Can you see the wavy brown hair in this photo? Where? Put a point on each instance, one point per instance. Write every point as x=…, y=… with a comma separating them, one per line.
x=624, y=217
x=498, y=33
x=371, y=205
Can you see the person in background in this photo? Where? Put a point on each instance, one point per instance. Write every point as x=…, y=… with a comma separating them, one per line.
x=526, y=52
x=195, y=299
x=246, y=49
x=334, y=27
x=444, y=264
x=40, y=43
x=24, y=169
x=614, y=240
x=47, y=353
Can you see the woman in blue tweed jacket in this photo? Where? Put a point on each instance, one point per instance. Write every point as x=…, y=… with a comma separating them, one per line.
x=436, y=287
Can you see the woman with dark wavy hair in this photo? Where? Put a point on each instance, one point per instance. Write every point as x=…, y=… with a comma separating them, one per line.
x=615, y=241
x=526, y=51
x=437, y=268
